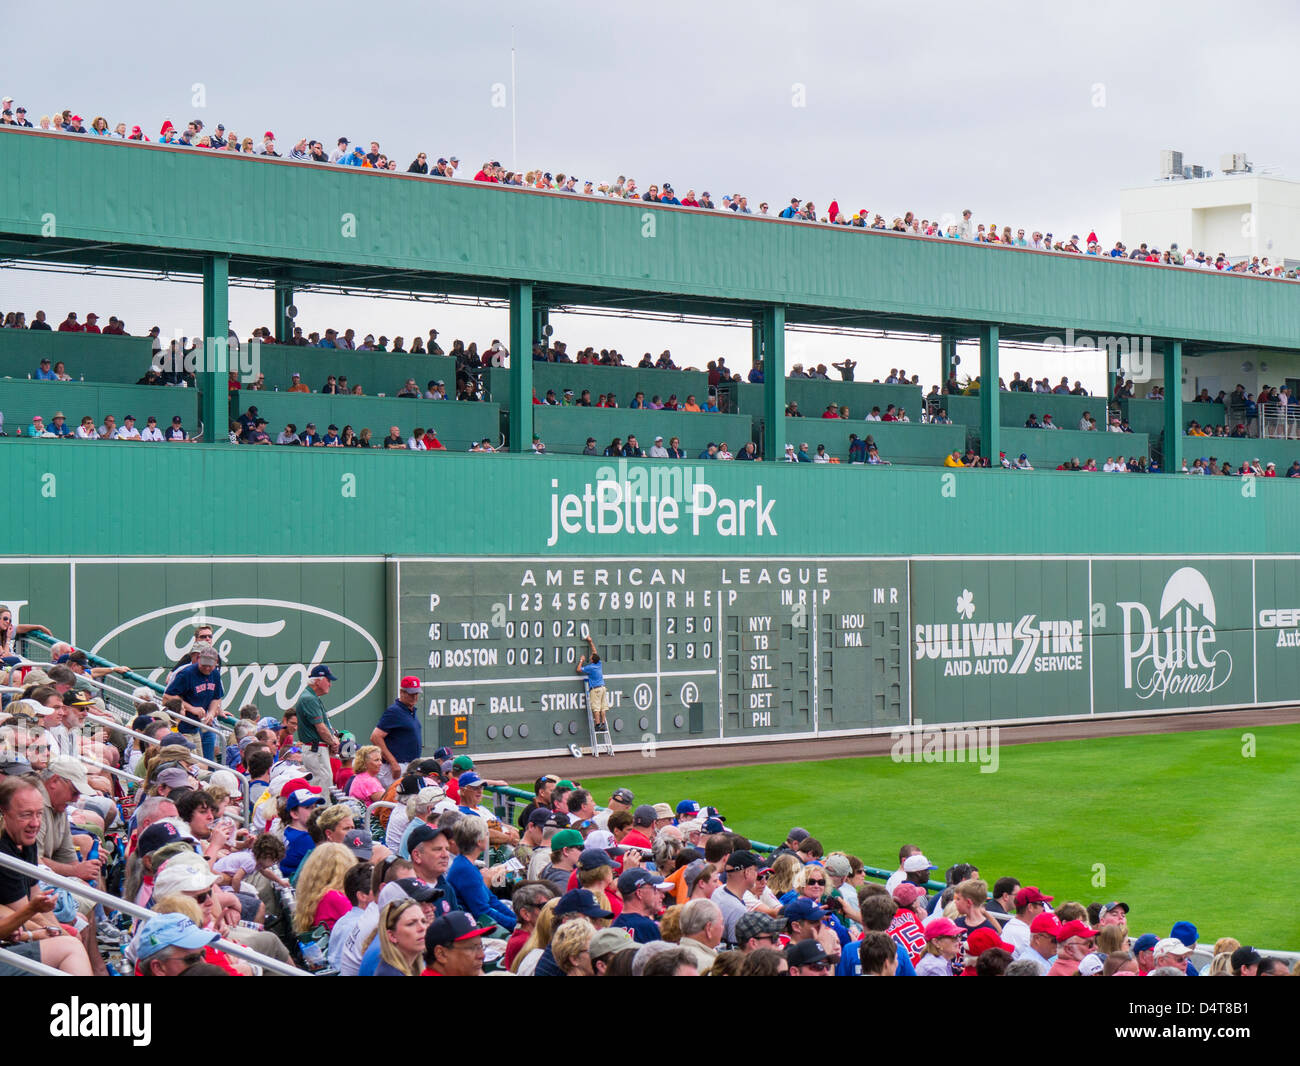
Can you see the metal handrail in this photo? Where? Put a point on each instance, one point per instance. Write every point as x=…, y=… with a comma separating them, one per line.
x=32, y=966
x=244, y=780
x=83, y=890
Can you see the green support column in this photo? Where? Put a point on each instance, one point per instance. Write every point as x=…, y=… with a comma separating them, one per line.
x=772, y=322
x=541, y=319
x=1172, y=459
x=947, y=349
x=756, y=340
x=521, y=367
x=214, y=407
x=990, y=395
x=283, y=301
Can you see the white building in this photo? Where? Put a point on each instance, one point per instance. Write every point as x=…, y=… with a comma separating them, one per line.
x=1240, y=213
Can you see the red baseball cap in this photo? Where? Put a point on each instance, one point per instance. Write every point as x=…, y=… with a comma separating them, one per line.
x=1048, y=924
x=1031, y=894
x=980, y=940
x=411, y=684
x=906, y=894
x=937, y=927
x=268, y=135
x=1075, y=928
x=295, y=783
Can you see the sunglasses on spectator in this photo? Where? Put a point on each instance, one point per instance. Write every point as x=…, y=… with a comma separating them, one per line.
x=810, y=881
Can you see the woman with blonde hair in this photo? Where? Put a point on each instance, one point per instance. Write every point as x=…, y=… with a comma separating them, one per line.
x=570, y=947
x=781, y=879
x=320, y=898
x=535, y=946
x=335, y=822
x=1110, y=938
x=402, y=926
x=670, y=924
x=1221, y=964
x=365, y=784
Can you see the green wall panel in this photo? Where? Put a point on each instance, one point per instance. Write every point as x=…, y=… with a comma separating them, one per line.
x=21, y=399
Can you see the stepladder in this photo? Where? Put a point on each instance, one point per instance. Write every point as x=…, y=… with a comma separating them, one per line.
x=601, y=741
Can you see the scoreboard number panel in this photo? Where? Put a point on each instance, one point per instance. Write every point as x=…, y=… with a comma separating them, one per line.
x=694, y=649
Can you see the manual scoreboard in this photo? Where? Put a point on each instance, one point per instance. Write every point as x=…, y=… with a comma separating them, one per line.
x=694, y=649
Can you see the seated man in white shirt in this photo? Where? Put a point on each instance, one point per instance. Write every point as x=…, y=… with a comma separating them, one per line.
x=128, y=430
x=657, y=449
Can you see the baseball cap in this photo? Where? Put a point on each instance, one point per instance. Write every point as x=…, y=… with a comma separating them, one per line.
x=805, y=953
x=1171, y=945
x=593, y=858
x=469, y=779
x=644, y=815
x=1047, y=924
x=838, y=866
x=208, y=656
x=581, y=901
x=1186, y=932
x=623, y=795
x=1144, y=943
x=611, y=941
x=462, y=763
x=322, y=671
x=73, y=771
x=296, y=784
x=712, y=825
x=421, y=834
x=1075, y=928
x=914, y=864
x=174, y=777
x=686, y=807
x=430, y=794
x=756, y=923
x=1091, y=965
x=302, y=797
x=941, y=927
x=1246, y=956
x=566, y=838
x=1107, y=908
x=411, y=684
x=539, y=817
x=980, y=940
x=906, y=894
x=418, y=890
x=630, y=880
x=1031, y=894
x=360, y=843
x=450, y=928
x=170, y=931
x=180, y=874
x=743, y=860
x=156, y=836
x=803, y=909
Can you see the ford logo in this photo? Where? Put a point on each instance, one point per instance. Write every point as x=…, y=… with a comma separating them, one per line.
x=245, y=678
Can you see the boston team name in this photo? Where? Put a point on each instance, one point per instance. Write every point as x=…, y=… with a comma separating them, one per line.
x=613, y=507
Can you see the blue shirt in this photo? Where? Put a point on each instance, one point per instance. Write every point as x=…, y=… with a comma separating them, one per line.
x=46, y=375
x=643, y=929
x=474, y=896
x=297, y=845
x=850, y=965
x=191, y=686
x=595, y=675
x=403, y=731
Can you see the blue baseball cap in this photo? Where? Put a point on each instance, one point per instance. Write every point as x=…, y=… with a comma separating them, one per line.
x=687, y=807
x=1145, y=942
x=713, y=825
x=322, y=671
x=803, y=909
x=1186, y=932
x=170, y=931
x=469, y=779
x=581, y=901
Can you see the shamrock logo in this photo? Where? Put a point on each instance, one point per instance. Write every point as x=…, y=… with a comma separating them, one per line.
x=966, y=604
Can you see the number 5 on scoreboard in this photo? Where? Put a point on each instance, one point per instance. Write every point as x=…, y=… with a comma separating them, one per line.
x=462, y=736
x=452, y=732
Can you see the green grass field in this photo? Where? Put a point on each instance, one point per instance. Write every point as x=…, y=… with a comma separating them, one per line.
x=1184, y=825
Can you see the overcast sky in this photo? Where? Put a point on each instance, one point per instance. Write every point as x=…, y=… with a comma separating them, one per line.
x=1032, y=115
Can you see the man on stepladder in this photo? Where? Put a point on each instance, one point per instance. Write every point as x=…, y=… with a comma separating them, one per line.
x=597, y=696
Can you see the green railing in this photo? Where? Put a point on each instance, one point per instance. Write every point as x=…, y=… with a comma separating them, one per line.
x=508, y=798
